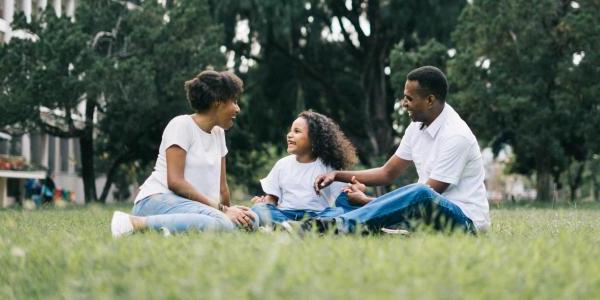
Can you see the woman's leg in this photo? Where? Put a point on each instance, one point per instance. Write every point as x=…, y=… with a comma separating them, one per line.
x=178, y=214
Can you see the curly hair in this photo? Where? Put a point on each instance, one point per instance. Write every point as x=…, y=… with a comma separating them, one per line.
x=210, y=86
x=328, y=141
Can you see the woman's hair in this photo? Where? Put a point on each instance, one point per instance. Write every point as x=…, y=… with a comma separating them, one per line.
x=328, y=141
x=210, y=86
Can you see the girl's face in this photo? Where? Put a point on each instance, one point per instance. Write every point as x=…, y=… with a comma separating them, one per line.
x=298, y=142
x=226, y=113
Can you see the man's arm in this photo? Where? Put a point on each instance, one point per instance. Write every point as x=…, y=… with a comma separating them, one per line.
x=437, y=186
x=376, y=176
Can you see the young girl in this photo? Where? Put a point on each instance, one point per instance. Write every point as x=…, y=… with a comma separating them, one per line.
x=316, y=146
x=188, y=188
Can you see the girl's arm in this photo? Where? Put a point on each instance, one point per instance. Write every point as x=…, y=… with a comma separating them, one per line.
x=224, y=187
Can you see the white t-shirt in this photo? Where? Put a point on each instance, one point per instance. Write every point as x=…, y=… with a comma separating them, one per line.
x=293, y=183
x=202, y=161
x=447, y=151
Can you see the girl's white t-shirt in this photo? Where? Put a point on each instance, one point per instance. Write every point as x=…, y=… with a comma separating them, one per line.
x=293, y=183
x=202, y=161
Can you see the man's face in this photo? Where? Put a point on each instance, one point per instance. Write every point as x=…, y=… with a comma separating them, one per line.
x=416, y=102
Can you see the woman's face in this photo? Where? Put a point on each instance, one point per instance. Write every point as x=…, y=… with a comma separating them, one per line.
x=226, y=113
x=298, y=142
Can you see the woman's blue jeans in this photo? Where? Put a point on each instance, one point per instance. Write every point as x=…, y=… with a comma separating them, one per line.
x=178, y=214
x=400, y=207
x=269, y=213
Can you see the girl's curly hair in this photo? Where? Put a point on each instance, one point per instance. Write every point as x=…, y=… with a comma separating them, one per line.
x=328, y=141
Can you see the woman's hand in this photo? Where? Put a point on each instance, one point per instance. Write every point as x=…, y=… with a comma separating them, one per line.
x=240, y=215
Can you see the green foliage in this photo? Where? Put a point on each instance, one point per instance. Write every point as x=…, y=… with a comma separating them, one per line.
x=299, y=66
x=518, y=84
x=529, y=253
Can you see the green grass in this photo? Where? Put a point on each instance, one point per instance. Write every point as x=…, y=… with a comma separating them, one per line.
x=530, y=253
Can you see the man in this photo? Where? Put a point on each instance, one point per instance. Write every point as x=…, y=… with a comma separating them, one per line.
x=450, y=192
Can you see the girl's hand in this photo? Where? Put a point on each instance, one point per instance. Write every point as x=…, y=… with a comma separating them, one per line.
x=258, y=199
x=267, y=199
x=356, y=192
x=355, y=186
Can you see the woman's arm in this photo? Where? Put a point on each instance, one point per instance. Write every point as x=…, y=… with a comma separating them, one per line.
x=224, y=187
x=176, y=181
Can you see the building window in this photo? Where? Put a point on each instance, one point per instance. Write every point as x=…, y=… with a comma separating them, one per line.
x=51, y=153
x=37, y=148
x=64, y=155
x=16, y=146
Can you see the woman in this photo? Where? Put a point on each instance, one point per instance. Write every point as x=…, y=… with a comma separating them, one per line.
x=189, y=176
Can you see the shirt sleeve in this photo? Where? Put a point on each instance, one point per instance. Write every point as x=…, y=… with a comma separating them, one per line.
x=404, y=151
x=451, y=159
x=271, y=183
x=177, y=133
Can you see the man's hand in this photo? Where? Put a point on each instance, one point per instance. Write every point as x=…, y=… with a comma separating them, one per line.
x=323, y=181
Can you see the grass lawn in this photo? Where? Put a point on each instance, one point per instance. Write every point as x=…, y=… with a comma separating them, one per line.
x=530, y=253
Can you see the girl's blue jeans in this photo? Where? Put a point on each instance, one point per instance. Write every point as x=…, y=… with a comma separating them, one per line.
x=269, y=213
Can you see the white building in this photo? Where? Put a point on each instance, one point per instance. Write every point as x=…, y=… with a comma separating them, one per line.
x=59, y=155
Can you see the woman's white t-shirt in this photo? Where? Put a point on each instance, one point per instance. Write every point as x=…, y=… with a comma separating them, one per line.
x=202, y=161
x=293, y=183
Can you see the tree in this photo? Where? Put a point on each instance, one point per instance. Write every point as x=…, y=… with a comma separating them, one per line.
x=126, y=63
x=520, y=83
x=330, y=56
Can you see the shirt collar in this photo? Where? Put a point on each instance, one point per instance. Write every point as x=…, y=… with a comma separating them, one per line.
x=435, y=126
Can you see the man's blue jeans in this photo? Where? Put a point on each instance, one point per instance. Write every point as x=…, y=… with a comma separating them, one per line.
x=401, y=206
x=269, y=213
x=178, y=214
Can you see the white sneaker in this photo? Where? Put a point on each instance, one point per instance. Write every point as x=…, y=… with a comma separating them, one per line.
x=396, y=231
x=120, y=224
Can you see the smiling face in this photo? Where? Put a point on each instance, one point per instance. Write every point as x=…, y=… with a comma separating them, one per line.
x=416, y=103
x=298, y=142
x=226, y=113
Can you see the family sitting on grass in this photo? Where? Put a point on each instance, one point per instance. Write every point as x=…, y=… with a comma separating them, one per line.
x=312, y=185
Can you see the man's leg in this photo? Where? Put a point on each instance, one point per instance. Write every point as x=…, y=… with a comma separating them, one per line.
x=342, y=202
x=415, y=201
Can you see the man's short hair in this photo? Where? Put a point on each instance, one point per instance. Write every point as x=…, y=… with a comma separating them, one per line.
x=432, y=80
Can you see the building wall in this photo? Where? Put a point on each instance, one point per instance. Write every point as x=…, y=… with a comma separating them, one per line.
x=30, y=7
x=60, y=156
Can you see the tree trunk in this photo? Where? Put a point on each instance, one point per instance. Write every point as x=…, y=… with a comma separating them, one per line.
x=110, y=177
x=544, y=178
x=575, y=180
x=86, y=141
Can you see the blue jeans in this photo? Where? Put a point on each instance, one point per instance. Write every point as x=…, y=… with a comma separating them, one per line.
x=411, y=202
x=269, y=213
x=178, y=214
